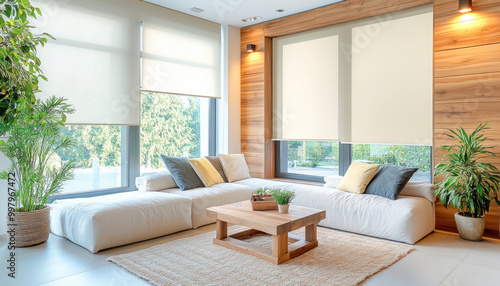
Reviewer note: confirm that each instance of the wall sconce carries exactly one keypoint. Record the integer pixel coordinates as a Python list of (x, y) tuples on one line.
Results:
[(250, 48), (464, 6)]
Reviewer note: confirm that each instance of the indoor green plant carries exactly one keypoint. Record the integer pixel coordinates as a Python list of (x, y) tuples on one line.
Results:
[(31, 127), (261, 193), (283, 198), (19, 65), (31, 147), (468, 183)]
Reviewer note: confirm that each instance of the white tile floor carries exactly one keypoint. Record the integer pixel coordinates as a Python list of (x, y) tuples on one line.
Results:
[(439, 259)]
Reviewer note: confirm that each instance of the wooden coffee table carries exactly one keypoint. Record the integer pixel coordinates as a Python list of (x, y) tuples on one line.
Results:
[(270, 222)]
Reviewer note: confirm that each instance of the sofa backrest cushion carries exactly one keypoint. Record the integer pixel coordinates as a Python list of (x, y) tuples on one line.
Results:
[(357, 177), (217, 165), (182, 172), (390, 181), (235, 167), (155, 182), (420, 189), (206, 172)]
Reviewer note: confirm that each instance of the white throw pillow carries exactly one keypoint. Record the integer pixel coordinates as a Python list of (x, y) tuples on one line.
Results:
[(155, 182), (332, 181), (235, 167)]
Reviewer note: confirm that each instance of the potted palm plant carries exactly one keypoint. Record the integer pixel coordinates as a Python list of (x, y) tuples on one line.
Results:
[(37, 170), (469, 183)]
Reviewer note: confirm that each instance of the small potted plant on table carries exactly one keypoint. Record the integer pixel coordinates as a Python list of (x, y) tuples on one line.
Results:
[(469, 183), (283, 198)]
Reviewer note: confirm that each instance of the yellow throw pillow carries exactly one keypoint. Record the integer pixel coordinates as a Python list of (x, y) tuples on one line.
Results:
[(206, 171), (357, 177)]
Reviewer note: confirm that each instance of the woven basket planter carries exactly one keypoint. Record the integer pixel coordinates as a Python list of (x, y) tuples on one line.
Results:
[(32, 227)]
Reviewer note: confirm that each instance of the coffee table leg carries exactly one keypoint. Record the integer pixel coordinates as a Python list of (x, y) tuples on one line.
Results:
[(312, 232), (221, 232), (280, 245)]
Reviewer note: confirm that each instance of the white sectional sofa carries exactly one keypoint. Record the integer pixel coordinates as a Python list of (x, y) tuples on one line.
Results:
[(159, 208)]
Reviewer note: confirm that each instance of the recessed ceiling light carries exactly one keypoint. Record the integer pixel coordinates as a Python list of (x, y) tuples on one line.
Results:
[(280, 10), (250, 19), (196, 9)]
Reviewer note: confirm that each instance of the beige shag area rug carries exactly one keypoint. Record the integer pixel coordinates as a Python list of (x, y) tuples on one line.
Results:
[(340, 259)]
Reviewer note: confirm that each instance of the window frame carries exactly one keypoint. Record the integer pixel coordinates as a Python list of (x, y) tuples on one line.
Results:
[(345, 160), (131, 158), (281, 155)]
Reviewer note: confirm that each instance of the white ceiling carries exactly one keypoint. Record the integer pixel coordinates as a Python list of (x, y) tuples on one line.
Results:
[(231, 12)]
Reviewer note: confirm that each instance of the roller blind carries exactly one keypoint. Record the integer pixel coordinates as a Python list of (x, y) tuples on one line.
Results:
[(93, 62), (392, 81), (305, 96), (181, 59)]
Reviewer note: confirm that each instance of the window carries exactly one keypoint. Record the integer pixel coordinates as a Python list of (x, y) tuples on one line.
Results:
[(112, 147), (98, 156), (401, 155), (312, 160), (308, 159), (173, 125)]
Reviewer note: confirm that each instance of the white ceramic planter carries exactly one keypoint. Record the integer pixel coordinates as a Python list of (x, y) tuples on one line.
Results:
[(283, 208), (470, 228)]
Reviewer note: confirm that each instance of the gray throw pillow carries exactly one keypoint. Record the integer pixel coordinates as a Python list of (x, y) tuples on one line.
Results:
[(182, 172), (390, 181), (215, 161)]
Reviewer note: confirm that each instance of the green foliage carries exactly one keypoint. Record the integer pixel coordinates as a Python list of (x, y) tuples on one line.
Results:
[(19, 66), (469, 183), (293, 150), (170, 125), (262, 191), (32, 146), (408, 156), (316, 153), (282, 197), (103, 142)]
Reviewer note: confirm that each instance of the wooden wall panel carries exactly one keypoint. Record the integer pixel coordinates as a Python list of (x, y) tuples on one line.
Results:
[(353, 10), (462, 34), (445, 11), (467, 83), (473, 60), (253, 101), (467, 88)]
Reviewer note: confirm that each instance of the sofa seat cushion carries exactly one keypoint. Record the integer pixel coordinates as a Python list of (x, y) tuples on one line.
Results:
[(406, 219), (102, 222), (216, 195)]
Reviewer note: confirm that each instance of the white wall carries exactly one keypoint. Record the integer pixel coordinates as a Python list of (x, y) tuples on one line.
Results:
[(229, 120), (234, 79), (4, 164)]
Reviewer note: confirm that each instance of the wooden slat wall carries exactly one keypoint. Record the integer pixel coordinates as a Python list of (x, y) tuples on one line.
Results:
[(467, 76), (467, 82)]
